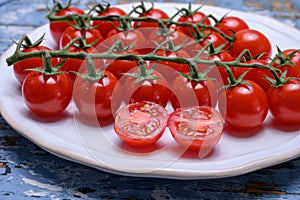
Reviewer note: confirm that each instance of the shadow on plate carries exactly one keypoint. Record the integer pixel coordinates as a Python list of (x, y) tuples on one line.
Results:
[(242, 133)]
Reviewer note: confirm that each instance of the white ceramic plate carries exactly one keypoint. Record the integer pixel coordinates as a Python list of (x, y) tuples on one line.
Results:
[(71, 139)]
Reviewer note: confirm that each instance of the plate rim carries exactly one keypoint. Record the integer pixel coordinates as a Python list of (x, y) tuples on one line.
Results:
[(165, 173)]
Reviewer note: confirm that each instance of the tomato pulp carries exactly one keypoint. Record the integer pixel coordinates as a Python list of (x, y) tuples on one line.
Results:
[(141, 124), (196, 128)]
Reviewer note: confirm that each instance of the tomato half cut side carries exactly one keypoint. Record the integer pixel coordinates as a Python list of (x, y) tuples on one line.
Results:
[(141, 124), (196, 128)]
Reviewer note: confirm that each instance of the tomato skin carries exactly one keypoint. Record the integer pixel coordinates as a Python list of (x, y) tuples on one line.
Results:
[(231, 24), (194, 19), (215, 38), (70, 33), (156, 90), (146, 27), (205, 120), (104, 27), (284, 102), (246, 106), (47, 95), (127, 38), (134, 120), (193, 93), (253, 40), (94, 99), (20, 67), (57, 28), (292, 70)]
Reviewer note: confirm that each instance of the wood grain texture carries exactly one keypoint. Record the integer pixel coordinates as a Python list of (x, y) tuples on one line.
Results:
[(28, 172)]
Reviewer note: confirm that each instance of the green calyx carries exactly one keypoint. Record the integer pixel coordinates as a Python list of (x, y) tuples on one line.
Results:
[(59, 7), (283, 60), (92, 75), (143, 74), (188, 11), (48, 69), (195, 75), (280, 81), (141, 9), (82, 22), (27, 43)]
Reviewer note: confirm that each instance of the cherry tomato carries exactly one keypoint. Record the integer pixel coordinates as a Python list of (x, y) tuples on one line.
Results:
[(256, 75), (231, 24), (292, 70), (57, 28), (141, 124), (193, 93), (256, 42), (20, 67), (146, 27), (127, 38), (79, 65), (246, 106), (94, 99), (194, 18), (215, 38), (91, 36), (104, 27), (47, 95), (156, 90), (196, 128), (284, 102)]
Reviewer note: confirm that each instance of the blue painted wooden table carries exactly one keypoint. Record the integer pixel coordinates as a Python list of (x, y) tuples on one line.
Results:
[(28, 172)]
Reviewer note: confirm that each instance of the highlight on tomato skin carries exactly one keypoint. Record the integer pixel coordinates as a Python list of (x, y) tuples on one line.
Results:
[(196, 128), (141, 124)]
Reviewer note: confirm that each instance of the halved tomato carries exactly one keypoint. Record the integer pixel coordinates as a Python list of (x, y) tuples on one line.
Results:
[(141, 124), (196, 128)]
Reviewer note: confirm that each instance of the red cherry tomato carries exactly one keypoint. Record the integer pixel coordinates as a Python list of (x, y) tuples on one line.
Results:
[(256, 75), (147, 27), (127, 38), (195, 18), (104, 27), (197, 128), (21, 66), (94, 99), (215, 38), (156, 90), (246, 106), (47, 95), (91, 36), (256, 42), (141, 124), (292, 70), (57, 28), (231, 24), (193, 93), (284, 102)]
